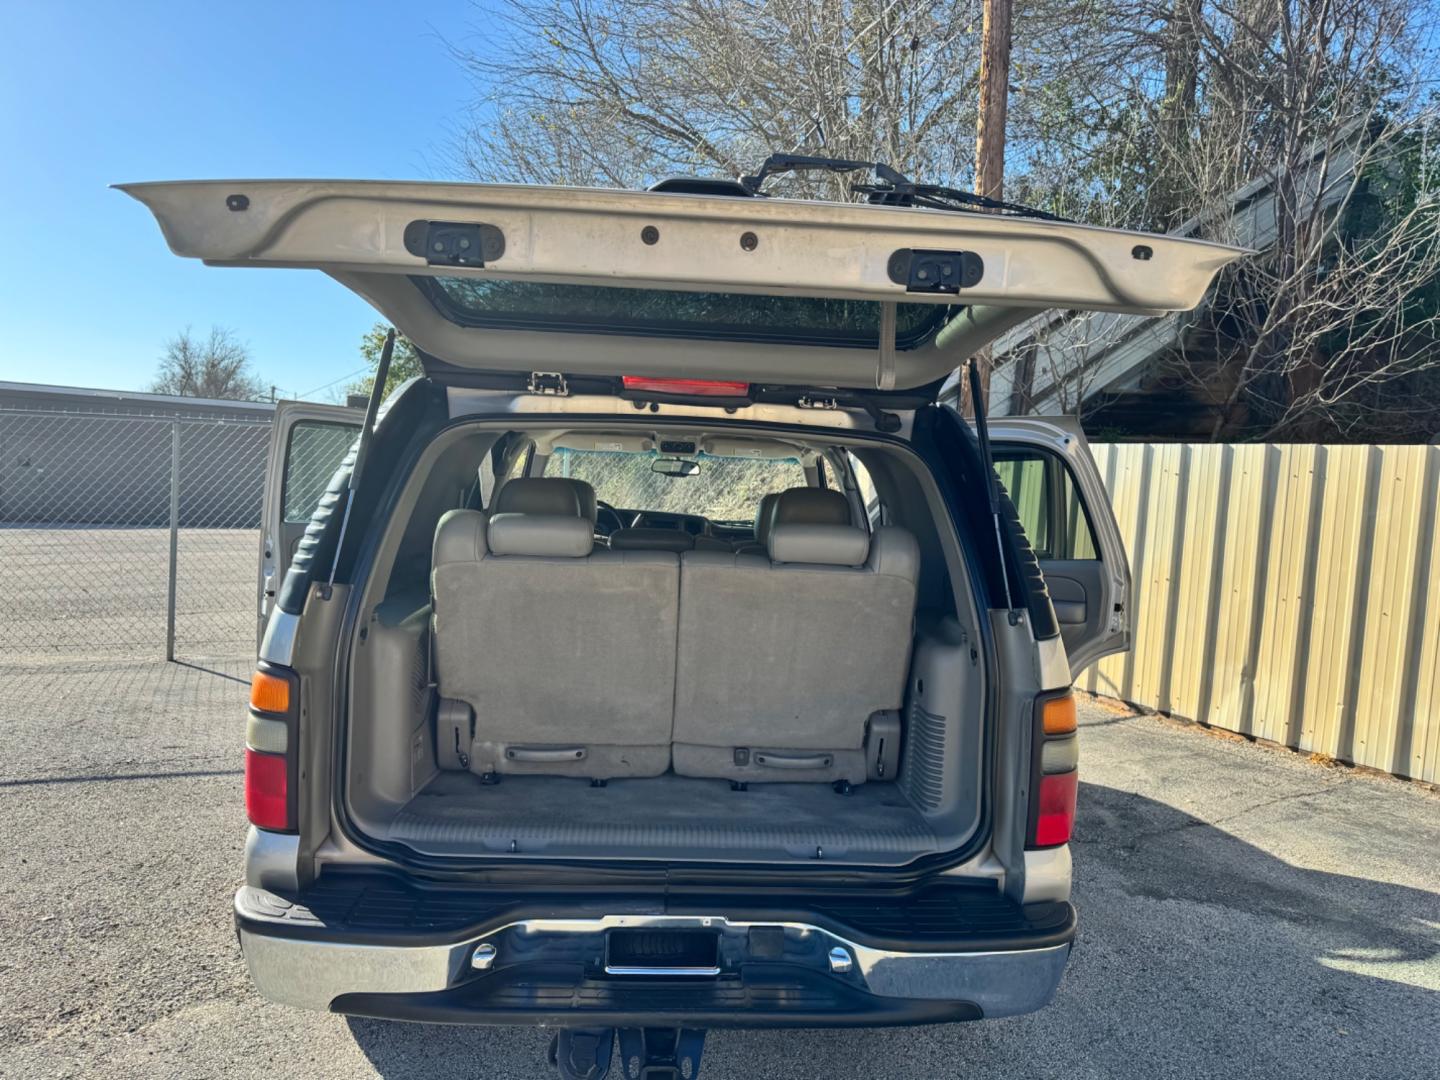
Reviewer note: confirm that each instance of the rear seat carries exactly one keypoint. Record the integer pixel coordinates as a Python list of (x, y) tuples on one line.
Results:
[(785, 658), (551, 656), (558, 658)]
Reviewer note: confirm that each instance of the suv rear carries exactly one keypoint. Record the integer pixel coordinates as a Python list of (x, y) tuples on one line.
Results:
[(668, 657)]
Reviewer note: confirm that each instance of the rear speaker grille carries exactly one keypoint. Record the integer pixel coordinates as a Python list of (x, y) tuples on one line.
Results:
[(924, 772)]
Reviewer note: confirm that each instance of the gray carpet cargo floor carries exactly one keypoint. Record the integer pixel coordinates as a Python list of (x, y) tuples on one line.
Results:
[(666, 817)]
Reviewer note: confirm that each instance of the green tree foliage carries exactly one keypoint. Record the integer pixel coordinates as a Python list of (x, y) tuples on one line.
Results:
[(404, 361)]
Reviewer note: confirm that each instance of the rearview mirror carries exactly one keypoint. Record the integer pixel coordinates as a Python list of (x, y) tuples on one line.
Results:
[(674, 466)]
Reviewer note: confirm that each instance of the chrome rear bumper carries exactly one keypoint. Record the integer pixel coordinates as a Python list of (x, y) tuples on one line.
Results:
[(289, 969)]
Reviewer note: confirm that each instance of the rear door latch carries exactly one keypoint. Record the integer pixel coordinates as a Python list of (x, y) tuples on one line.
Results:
[(454, 243), (548, 384), (923, 270)]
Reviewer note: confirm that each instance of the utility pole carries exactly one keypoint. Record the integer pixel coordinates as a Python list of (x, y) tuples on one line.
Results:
[(994, 97), (990, 129)]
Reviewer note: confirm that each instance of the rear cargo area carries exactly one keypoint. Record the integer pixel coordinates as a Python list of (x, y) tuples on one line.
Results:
[(661, 817), (408, 786), (542, 690)]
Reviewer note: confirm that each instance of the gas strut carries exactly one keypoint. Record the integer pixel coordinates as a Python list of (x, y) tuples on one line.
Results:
[(992, 487)]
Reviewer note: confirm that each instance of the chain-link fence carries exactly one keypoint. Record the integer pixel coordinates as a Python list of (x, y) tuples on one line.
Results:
[(129, 536)]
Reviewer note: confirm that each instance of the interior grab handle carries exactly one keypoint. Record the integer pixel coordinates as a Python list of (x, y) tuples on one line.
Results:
[(793, 761)]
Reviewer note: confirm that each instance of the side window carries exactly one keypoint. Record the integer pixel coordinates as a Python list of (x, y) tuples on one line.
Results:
[(505, 461), (1079, 540), (487, 480), (517, 461), (1049, 507), (316, 450), (867, 489)]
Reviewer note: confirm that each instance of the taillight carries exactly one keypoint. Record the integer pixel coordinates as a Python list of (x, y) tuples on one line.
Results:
[(269, 693), (1055, 815), (267, 790), (1056, 757), (271, 749)]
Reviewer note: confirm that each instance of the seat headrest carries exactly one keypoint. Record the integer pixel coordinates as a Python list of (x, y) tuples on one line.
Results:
[(556, 495), (765, 516), (811, 506), (567, 536), (827, 545)]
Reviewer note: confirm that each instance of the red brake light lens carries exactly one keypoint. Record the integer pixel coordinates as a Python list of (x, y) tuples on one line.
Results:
[(1056, 817), (686, 387), (267, 790)]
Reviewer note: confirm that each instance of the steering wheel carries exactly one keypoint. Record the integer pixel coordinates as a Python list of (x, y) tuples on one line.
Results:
[(607, 520)]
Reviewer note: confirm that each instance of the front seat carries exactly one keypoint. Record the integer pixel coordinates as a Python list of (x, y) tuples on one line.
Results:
[(552, 656), (764, 514)]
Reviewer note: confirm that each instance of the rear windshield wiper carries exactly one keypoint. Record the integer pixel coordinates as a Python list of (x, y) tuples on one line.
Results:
[(892, 188)]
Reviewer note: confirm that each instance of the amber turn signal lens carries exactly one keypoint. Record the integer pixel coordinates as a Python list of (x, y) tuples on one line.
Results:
[(269, 693), (1058, 715)]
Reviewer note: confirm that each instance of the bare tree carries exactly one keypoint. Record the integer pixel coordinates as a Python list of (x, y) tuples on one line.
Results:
[(1323, 110), (1300, 128), (620, 92), (216, 367)]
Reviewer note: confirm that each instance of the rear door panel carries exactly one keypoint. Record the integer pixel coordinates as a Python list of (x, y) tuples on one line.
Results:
[(1047, 469), (307, 444), (536, 255)]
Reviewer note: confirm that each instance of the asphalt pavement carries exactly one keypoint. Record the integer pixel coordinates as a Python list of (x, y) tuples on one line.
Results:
[(1244, 913)]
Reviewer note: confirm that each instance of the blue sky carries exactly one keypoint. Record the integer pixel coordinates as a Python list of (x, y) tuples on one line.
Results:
[(93, 94)]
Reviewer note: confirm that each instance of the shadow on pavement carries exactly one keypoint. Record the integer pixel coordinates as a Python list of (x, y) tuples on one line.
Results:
[(1199, 955)]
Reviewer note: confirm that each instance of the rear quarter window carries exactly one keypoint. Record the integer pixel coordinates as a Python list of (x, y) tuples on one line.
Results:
[(316, 450)]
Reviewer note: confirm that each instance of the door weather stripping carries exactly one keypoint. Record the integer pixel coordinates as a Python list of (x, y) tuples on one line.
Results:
[(987, 458), (362, 449)]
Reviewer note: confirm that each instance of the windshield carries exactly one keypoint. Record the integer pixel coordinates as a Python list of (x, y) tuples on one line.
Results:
[(725, 488)]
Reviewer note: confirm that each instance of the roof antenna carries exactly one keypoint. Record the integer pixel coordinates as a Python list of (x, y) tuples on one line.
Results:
[(987, 460), (362, 447)]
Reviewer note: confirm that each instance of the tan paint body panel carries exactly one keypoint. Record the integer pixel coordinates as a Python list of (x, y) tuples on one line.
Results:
[(1064, 437), (1285, 592), (354, 230)]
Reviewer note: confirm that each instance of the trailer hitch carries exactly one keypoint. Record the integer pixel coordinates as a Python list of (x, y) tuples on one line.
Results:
[(645, 1053), (582, 1053)]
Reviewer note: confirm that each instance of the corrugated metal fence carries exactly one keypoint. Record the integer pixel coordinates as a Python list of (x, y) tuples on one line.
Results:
[(1290, 593)]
